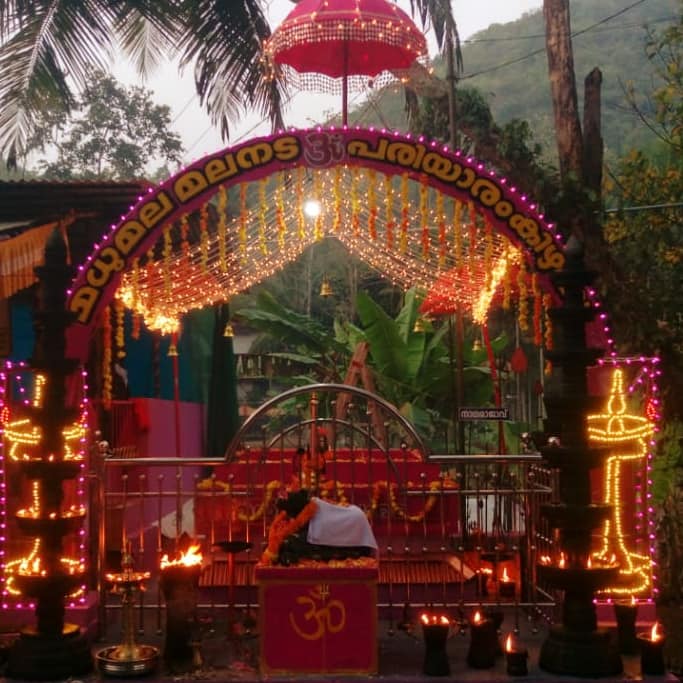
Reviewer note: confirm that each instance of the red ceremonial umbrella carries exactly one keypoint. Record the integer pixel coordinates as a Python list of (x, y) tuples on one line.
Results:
[(342, 43)]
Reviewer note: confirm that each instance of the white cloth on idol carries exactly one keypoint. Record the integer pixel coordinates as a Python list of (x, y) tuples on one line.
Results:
[(340, 525)]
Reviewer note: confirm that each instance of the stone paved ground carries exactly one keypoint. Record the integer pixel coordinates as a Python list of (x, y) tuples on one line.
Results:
[(400, 659)]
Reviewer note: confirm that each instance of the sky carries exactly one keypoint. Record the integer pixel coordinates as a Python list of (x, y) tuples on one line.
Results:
[(200, 137)]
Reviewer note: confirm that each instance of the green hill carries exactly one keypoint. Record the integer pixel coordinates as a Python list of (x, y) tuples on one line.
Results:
[(507, 64)]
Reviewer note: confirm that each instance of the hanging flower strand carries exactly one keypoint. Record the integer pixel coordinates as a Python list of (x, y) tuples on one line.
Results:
[(107, 381), (405, 213), (372, 204), (523, 304), (221, 227), (441, 219)]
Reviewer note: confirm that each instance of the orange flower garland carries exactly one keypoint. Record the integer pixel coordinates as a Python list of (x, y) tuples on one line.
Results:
[(107, 380), (283, 527)]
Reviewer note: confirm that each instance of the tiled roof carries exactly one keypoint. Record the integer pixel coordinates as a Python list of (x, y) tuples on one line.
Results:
[(34, 202)]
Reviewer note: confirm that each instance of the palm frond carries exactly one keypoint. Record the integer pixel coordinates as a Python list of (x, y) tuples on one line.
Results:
[(223, 41), (439, 15), (147, 34), (57, 44)]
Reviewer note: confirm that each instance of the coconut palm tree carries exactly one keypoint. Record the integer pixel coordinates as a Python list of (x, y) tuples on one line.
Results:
[(47, 47)]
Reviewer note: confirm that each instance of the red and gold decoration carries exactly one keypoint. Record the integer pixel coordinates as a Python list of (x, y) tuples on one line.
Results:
[(342, 45), (468, 225), (317, 620)]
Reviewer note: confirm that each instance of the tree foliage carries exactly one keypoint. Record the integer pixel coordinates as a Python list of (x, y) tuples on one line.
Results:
[(112, 132), (47, 49), (646, 233)]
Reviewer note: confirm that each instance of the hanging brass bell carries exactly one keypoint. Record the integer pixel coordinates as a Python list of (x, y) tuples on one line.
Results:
[(326, 288)]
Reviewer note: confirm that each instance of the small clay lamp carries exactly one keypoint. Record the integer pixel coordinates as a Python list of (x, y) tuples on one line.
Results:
[(483, 643), (506, 586), (515, 658), (625, 614), (652, 652), (435, 630)]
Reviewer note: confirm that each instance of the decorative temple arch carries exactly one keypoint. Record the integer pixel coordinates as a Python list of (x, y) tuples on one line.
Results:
[(415, 210)]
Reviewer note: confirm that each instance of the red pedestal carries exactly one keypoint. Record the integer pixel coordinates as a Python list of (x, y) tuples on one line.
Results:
[(317, 620)]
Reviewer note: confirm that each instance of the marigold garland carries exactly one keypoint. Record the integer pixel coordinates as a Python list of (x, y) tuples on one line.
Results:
[(318, 193), (221, 227), (472, 235), (389, 211), (166, 254), (263, 210), (119, 333), (548, 329), (204, 237), (107, 381), (301, 216), (184, 232), (457, 232), (244, 217), (280, 211), (372, 203), (326, 488), (488, 253), (405, 213), (212, 484), (337, 199), (283, 526), (507, 288), (424, 216), (523, 304), (355, 204), (441, 219)]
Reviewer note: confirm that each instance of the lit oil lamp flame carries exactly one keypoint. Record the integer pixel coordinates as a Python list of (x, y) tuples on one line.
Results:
[(589, 563), (508, 643), (428, 619), (477, 617), (545, 559), (634, 602), (190, 558), (561, 564), (505, 578), (655, 635)]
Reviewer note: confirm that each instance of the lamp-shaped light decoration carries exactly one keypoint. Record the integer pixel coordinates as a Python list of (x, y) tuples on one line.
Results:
[(627, 434)]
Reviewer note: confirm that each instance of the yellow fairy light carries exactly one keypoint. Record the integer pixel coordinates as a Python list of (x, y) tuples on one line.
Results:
[(405, 212), (204, 235), (221, 211), (626, 434), (258, 242), (457, 232), (263, 211)]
